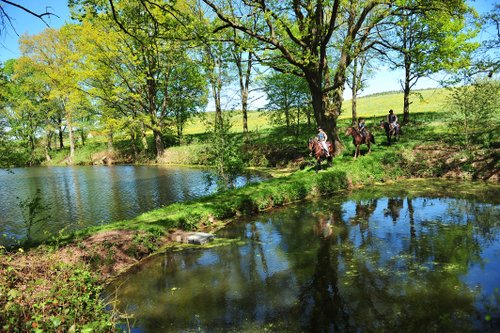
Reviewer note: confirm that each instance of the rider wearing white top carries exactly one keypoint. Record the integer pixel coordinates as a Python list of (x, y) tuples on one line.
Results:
[(322, 137)]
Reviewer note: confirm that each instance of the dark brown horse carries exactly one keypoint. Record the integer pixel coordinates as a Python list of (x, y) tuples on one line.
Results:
[(319, 153), (390, 131), (358, 139)]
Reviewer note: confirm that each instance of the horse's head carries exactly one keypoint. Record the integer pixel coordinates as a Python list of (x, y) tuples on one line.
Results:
[(310, 144), (384, 125), (349, 131)]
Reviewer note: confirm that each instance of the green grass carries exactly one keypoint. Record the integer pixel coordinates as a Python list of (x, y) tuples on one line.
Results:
[(423, 101)]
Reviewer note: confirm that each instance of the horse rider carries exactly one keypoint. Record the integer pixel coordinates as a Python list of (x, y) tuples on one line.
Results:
[(362, 127), (322, 137), (392, 119)]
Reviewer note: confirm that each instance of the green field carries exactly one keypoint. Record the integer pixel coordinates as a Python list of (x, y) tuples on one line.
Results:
[(378, 105)]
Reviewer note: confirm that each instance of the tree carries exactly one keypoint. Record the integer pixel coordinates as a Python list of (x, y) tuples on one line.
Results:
[(288, 98), (356, 81), (244, 67), (244, 58), (146, 72), (55, 53), (188, 93), (296, 36), (26, 105), (475, 111), (425, 40)]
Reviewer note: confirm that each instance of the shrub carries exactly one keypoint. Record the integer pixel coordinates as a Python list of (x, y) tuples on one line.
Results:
[(329, 182), (475, 111)]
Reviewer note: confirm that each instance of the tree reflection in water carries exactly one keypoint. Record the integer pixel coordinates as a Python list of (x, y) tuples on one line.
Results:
[(332, 266)]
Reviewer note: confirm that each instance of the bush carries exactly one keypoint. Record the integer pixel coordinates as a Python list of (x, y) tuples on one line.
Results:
[(329, 182), (475, 111)]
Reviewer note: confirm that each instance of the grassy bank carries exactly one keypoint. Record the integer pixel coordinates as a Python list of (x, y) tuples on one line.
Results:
[(263, 149)]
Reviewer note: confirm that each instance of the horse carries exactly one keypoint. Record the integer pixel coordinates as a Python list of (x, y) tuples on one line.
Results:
[(358, 139), (391, 132), (319, 153)]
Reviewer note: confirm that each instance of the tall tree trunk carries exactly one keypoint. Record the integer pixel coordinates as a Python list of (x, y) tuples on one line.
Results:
[(144, 138), (244, 94), (133, 141), (49, 140), (61, 133), (179, 132), (31, 140), (160, 148), (297, 132), (354, 112), (327, 105), (82, 136), (216, 83), (47, 147), (69, 125), (406, 90), (71, 141), (110, 141)]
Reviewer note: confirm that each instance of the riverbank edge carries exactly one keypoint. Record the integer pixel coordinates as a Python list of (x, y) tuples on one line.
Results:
[(111, 250)]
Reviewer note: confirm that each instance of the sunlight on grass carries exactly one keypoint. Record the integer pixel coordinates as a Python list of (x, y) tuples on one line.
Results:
[(430, 100)]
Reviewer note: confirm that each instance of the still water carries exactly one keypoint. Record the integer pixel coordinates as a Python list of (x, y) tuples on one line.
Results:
[(77, 197), (378, 264)]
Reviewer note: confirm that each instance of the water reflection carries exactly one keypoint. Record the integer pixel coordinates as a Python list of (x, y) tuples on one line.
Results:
[(84, 196), (333, 266)]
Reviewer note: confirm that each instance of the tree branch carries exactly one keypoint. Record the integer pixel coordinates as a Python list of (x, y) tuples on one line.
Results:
[(41, 16)]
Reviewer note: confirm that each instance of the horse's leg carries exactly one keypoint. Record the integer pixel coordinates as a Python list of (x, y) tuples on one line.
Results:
[(369, 147), (330, 160)]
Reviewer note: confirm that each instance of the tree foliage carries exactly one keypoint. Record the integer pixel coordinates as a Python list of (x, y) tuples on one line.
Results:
[(475, 112), (426, 39), (288, 100), (155, 81)]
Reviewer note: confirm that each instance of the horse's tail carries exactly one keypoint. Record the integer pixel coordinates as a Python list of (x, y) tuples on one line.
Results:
[(372, 138)]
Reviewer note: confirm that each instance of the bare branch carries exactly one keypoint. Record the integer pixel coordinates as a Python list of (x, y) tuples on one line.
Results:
[(41, 16)]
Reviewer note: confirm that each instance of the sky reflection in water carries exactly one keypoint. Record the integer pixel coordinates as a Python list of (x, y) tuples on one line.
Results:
[(388, 264)]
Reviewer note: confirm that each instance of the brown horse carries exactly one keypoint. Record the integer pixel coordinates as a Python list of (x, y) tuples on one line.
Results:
[(390, 131), (319, 153), (358, 139)]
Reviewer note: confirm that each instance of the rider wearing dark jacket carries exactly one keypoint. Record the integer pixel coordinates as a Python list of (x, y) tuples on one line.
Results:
[(362, 127), (392, 119)]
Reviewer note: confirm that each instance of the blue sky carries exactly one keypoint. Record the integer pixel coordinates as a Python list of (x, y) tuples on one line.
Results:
[(383, 80)]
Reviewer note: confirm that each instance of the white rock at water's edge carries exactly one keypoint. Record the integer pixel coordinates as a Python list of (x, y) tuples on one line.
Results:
[(199, 238)]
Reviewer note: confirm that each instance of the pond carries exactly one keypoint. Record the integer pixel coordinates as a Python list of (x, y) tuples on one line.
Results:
[(77, 197), (357, 263)]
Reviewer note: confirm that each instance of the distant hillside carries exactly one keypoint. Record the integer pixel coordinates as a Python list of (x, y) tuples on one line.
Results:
[(428, 100)]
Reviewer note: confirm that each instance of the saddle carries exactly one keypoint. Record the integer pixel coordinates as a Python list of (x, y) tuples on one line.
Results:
[(364, 134)]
